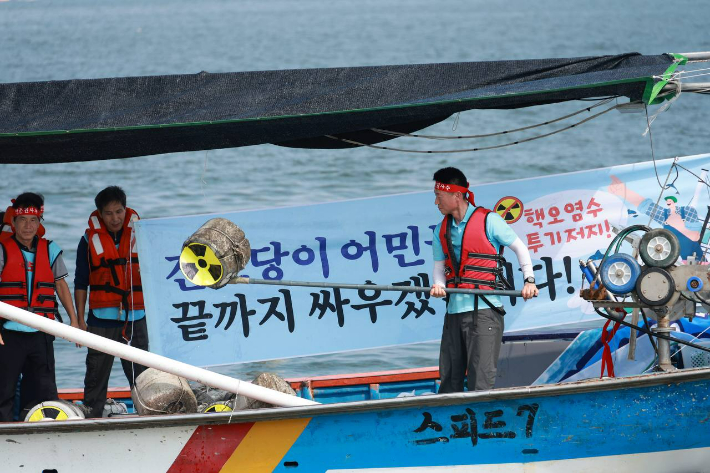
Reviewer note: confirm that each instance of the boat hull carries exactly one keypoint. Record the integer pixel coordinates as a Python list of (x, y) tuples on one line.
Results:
[(659, 421)]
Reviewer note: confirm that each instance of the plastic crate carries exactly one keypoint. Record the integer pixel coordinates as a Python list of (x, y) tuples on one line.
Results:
[(694, 358)]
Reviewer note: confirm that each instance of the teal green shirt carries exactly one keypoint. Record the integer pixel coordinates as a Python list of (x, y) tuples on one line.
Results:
[(499, 234)]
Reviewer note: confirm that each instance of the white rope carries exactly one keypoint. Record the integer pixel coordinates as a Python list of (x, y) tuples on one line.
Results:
[(484, 148), (696, 75), (663, 107), (689, 71), (129, 276), (487, 135)]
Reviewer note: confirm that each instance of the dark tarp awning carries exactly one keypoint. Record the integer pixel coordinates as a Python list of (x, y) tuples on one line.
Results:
[(84, 120)]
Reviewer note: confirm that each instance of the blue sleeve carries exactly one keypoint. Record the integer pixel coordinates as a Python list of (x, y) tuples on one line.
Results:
[(436, 245), (54, 251), (499, 232), (81, 276)]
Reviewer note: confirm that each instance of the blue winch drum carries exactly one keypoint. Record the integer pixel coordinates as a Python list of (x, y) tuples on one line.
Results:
[(619, 273)]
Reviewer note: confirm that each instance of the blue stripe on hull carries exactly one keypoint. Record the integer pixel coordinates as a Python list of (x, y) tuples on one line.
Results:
[(544, 428)]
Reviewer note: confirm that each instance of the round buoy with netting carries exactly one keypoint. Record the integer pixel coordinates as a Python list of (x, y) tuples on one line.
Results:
[(215, 253), (54, 410), (619, 273), (655, 286), (659, 248)]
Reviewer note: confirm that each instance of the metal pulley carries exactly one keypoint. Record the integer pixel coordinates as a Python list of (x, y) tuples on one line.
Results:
[(659, 248), (215, 253), (655, 286), (619, 273)]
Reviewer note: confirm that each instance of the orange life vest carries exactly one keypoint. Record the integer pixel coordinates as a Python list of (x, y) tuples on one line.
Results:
[(13, 280), (114, 279), (480, 265), (7, 229)]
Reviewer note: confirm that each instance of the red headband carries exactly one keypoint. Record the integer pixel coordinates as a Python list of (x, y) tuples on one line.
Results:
[(29, 211), (440, 186)]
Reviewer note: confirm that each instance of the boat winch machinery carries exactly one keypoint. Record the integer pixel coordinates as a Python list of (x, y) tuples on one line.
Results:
[(660, 285)]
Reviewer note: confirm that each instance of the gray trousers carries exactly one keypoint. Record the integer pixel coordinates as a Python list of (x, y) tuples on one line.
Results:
[(98, 365), (470, 342)]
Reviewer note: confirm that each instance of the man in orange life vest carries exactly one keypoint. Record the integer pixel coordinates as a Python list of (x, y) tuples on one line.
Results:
[(31, 271), (473, 325), (107, 266)]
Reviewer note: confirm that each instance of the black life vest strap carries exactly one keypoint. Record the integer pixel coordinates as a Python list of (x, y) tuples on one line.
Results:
[(111, 265), (499, 258), (46, 285), (496, 270), (498, 310), (13, 284), (497, 284), (44, 298), (45, 310), (108, 288), (19, 297), (478, 282), (124, 294), (107, 263), (114, 289)]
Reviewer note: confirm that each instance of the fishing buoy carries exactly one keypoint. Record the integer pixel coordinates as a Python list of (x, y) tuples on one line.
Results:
[(215, 253), (157, 392), (655, 286), (54, 410), (266, 380), (619, 273), (659, 248)]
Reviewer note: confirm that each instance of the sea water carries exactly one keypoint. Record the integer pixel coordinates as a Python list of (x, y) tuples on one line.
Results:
[(68, 39)]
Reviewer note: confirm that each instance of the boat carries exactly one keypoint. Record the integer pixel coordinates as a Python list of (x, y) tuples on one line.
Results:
[(372, 422), (612, 423)]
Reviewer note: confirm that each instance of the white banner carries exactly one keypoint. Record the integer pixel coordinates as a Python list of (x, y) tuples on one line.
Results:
[(387, 240)]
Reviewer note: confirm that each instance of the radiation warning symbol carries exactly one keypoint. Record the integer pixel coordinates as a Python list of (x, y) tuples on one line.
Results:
[(200, 265), (48, 412), (218, 407), (510, 208)]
